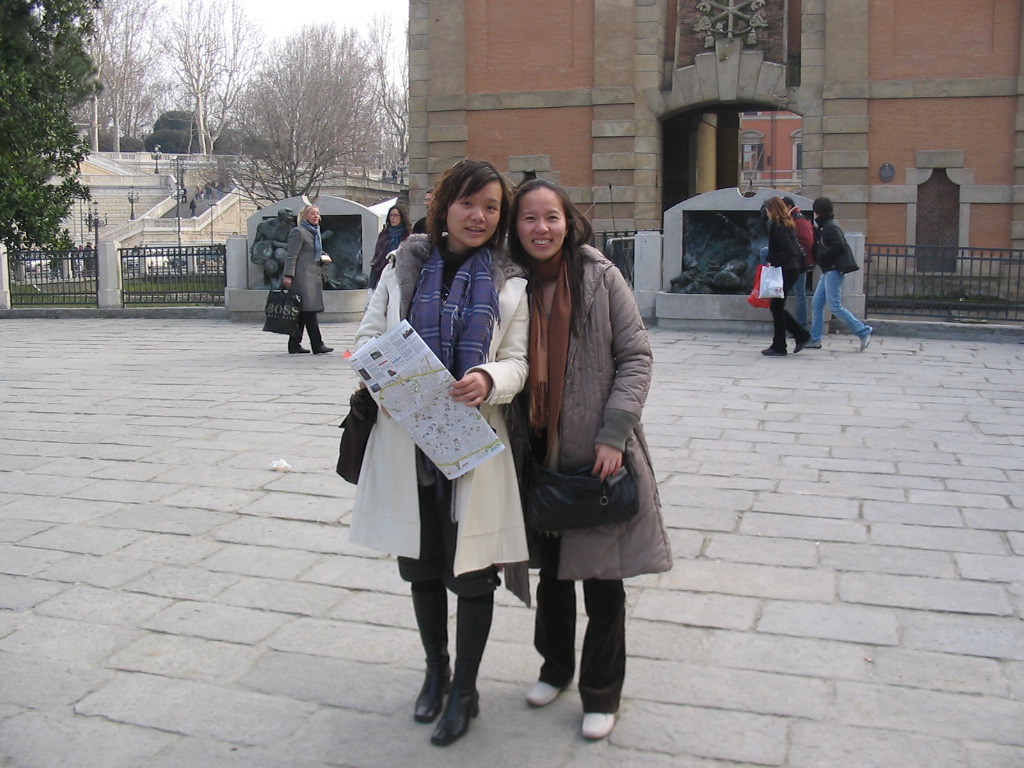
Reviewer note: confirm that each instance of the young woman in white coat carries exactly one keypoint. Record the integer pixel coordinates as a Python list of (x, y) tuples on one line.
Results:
[(590, 371), (467, 299)]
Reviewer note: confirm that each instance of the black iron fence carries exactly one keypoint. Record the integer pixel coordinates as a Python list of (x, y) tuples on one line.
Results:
[(53, 278), (944, 283), (172, 275), (619, 247)]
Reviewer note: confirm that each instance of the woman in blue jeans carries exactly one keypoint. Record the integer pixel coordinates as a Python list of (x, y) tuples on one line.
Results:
[(836, 260)]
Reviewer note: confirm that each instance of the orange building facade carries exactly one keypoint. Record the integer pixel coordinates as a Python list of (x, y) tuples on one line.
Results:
[(896, 109)]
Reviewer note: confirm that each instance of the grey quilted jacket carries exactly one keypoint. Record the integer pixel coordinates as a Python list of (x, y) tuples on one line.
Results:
[(607, 380)]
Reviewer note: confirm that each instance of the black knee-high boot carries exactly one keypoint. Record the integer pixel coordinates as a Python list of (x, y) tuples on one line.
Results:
[(473, 627), (430, 602)]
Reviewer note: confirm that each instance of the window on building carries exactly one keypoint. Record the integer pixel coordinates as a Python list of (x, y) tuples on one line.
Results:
[(752, 149), (798, 154)]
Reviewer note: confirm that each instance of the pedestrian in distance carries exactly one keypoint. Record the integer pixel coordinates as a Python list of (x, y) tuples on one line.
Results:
[(784, 252), (590, 371), (835, 258), (396, 228), (467, 300), (420, 227), (805, 238), (302, 276)]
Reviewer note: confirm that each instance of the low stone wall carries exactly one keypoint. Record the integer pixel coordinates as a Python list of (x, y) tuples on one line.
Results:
[(246, 305), (730, 312)]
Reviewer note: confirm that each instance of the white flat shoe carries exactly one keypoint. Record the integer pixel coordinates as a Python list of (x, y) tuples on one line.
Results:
[(542, 694), (597, 725)]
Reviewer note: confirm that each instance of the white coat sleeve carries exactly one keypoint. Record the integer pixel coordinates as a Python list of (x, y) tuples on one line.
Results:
[(374, 322)]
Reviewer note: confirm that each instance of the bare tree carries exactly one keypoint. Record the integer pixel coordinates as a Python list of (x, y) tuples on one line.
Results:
[(123, 51), (306, 114), (388, 60), (243, 47), (214, 48)]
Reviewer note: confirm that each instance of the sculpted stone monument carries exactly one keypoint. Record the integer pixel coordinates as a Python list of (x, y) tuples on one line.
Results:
[(722, 233), (342, 239), (348, 232), (270, 246)]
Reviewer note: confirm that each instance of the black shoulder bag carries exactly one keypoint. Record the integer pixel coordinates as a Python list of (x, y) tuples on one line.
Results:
[(357, 425), (557, 501)]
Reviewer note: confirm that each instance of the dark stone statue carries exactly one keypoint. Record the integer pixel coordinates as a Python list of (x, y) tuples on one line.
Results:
[(270, 246), (345, 272), (720, 251), (340, 236)]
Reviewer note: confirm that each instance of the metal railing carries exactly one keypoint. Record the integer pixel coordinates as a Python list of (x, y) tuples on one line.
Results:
[(53, 278), (944, 283), (173, 275), (619, 247)]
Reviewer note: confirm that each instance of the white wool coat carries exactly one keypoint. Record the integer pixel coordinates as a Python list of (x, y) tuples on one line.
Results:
[(490, 516)]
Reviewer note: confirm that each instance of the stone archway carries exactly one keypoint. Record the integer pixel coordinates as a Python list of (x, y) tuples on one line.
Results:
[(699, 115)]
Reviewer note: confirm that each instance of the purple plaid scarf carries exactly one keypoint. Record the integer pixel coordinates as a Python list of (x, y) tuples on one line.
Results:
[(457, 327)]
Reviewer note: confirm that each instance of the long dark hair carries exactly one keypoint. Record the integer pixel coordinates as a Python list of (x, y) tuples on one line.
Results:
[(577, 233), (403, 214), (465, 178)]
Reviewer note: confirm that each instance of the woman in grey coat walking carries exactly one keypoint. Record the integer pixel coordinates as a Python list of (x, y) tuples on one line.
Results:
[(590, 371), (302, 277)]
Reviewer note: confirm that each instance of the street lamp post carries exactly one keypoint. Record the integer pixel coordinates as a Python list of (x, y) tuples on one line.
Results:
[(133, 198), (179, 176), (156, 159), (95, 223)]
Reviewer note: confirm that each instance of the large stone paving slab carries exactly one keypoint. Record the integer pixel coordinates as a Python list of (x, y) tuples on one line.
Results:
[(848, 587)]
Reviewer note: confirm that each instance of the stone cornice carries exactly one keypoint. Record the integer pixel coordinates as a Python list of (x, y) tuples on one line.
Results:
[(576, 97), (923, 89)]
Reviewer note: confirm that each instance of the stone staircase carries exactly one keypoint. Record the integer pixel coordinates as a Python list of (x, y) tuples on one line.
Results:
[(113, 177)]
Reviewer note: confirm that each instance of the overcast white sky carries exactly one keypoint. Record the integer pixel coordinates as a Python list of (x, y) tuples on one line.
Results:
[(279, 18)]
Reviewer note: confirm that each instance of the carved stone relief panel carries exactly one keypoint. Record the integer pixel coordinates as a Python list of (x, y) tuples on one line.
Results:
[(757, 24)]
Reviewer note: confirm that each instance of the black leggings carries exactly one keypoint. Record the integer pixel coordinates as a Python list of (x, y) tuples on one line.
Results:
[(782, 321)]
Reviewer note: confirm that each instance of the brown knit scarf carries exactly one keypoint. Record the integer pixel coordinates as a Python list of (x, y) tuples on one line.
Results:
[(549, 343)]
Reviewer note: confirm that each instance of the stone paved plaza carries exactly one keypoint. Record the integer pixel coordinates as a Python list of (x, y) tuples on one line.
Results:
[(848, 588)]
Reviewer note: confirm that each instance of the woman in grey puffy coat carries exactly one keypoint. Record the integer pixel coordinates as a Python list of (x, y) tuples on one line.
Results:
[(590, 371)]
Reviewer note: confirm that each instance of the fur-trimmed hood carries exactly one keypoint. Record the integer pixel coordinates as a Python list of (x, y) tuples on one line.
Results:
[(413, 253)]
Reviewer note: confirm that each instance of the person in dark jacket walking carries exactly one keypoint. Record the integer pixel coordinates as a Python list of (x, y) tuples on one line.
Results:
[(836, 260), (805, 237), (783, 251)]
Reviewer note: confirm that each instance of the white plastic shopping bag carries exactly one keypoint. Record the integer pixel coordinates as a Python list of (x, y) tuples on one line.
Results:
[(771, 284)]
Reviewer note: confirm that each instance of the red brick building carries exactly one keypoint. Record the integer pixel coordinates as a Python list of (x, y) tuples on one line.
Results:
[(911, 111)]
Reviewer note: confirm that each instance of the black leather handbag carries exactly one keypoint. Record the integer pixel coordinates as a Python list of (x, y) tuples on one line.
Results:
[(357, 425), (557, 501)]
